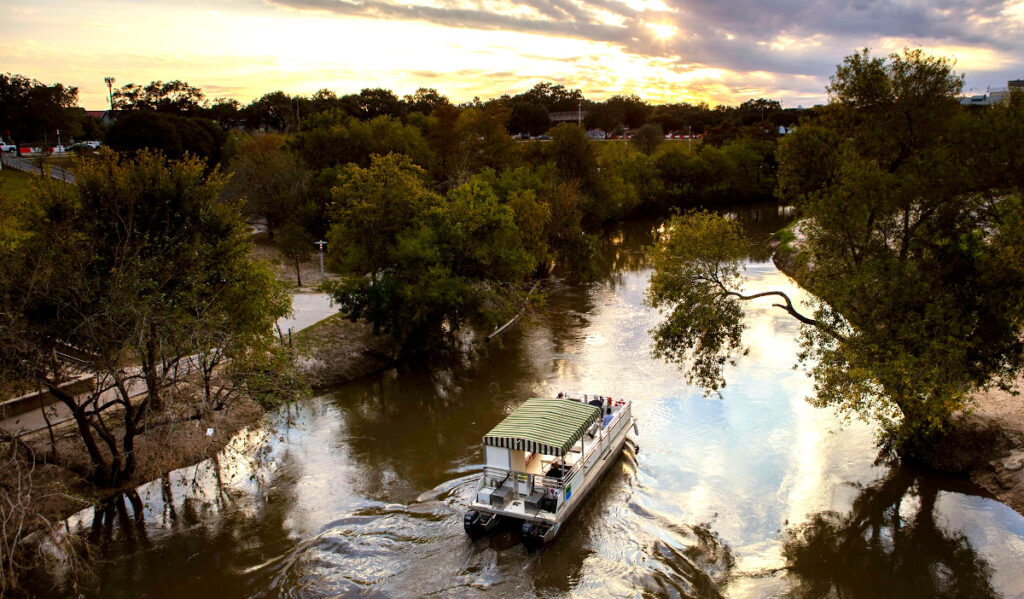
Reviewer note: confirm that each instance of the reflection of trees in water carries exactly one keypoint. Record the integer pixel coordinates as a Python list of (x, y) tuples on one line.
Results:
[(621, 246), (875, 551), (206, 532)]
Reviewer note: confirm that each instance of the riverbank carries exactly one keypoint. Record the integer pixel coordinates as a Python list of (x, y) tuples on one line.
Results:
[(40, 482), (39, 474), (986, 444)]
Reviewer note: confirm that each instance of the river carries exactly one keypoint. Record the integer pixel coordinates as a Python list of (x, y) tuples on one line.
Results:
[(361, 491)]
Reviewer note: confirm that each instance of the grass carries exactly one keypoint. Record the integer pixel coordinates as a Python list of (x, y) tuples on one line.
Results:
[(15, 186)]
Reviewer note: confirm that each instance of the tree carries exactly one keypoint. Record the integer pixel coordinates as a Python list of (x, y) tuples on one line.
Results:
[(553, 97), (226, 112), (573, 153), (424, 100), (173, 135), (532, 119), (904, 246), (296, 245), (137, 266), (371, 103), (276, 110), (31, 111), (331, 138), (483, 134), (418, 266), (267, 179), (173, 97), (648, 137)]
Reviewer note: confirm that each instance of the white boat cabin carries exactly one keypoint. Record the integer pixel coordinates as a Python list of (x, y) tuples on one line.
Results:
[(542, 453)]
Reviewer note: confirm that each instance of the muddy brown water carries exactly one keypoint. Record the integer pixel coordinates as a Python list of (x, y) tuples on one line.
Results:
[(360, 492)]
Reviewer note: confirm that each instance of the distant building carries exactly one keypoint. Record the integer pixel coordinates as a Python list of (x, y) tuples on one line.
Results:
[(993, 96), (976, 100), (104, 116)]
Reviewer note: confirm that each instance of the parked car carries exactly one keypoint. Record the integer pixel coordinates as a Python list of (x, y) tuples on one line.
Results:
[(6, 147)]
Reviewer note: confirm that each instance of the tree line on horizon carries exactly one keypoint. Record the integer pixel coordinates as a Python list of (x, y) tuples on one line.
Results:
[(31, 112)]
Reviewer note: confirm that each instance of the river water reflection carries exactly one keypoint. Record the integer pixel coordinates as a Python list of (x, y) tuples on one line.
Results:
[(360, 492)]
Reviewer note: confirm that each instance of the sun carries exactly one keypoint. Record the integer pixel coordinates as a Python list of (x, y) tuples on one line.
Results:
[(662, 31)]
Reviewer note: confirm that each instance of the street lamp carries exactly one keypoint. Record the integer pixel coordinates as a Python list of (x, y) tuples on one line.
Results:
[(321, 245), (110, 91)]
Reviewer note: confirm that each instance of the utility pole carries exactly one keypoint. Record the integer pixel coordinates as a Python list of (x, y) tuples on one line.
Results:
[(579, 114), (110, 91), (321, 245), (689, 139)]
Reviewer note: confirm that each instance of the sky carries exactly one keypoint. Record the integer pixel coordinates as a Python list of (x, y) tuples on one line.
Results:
[(718, 51)]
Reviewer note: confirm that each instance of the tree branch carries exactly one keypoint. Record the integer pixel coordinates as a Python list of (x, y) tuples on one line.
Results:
[(788, 307)]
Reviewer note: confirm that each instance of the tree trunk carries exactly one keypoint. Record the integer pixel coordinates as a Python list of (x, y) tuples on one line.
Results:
[(298, 272), (149, 367), (84, 430)]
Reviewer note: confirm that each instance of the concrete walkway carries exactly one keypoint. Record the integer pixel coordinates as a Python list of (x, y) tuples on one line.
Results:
[(308, 309), (26, 166), (29, 418)]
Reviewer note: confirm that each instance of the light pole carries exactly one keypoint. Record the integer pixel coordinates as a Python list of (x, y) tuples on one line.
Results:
[(110, 91), (689, 139), (321, 245)]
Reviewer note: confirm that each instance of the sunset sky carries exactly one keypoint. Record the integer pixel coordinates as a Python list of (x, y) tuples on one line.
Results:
[(720, 51)]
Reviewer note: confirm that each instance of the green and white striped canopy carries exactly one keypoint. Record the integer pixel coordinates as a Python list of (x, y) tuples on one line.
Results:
[(547, 426)]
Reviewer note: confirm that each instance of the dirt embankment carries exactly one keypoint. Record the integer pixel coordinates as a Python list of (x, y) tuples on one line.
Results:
[(1000, 415), (987, 440), (337, 350)]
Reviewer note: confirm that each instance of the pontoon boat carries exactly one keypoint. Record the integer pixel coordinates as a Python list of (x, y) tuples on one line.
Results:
[(543, 459)]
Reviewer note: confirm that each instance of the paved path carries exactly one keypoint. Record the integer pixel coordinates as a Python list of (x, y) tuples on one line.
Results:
[(26, 166), (309, 309), (58, 413)]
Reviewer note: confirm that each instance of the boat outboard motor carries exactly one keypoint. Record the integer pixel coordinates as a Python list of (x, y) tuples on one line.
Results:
[(471, 522), (533, 536)]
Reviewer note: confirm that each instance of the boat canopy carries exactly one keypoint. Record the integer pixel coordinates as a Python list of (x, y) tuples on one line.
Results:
[(547, 426)]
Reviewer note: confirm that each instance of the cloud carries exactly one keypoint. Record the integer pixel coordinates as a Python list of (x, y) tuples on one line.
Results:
[(788, 37)]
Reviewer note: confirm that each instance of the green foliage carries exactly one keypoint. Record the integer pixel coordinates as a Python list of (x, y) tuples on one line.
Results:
[(31, 111), (268, 181), (741, 170), (915, 257), (269, 374), (139, 263), (174, 97), (430, 265), (648, 137), (173, 135), (697, 276), (296, 244), (332, 138)]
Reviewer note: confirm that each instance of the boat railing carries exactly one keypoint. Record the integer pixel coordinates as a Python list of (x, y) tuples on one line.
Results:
[(523, 484)]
